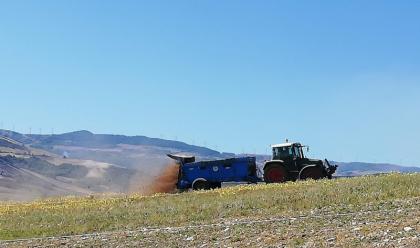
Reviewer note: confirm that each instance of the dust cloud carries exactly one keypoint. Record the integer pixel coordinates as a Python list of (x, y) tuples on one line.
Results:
[(164, 182)]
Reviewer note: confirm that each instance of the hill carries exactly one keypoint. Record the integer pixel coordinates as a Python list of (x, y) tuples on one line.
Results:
[(145, 154), (359, 168), (37, 166), (76, 163), (89, 140), (373, 211), (30, 177)]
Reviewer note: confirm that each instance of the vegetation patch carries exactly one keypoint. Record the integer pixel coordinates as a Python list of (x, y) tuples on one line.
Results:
[(79, 215)]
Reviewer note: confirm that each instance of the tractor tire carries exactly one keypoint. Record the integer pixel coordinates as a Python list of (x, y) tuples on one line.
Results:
[(201, 185), (314, 172), (275, 173)]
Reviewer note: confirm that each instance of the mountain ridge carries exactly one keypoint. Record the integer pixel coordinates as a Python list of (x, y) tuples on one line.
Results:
[(89, 139), (82, 162)]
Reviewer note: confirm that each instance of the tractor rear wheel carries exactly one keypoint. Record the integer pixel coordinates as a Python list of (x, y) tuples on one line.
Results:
[(314, 172), (275, 173), (201, 185)]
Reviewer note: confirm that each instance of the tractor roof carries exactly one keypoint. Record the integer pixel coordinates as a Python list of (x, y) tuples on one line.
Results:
[(285, 144)]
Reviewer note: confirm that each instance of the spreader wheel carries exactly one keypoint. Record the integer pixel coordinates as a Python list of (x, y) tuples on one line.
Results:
[(314, 172), (201, 185), (216, 185), (275, 173)]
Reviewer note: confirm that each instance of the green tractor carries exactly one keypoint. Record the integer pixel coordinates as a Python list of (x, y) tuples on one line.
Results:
[(289, 164)]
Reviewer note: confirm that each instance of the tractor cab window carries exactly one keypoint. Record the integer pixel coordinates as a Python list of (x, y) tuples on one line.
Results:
[(282, 152), (298, 152)]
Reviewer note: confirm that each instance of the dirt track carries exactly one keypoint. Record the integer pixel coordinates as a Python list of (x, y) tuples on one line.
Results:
[(398, 227)]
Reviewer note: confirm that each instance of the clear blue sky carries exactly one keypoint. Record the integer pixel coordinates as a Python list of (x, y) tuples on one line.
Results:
[(341, 76)]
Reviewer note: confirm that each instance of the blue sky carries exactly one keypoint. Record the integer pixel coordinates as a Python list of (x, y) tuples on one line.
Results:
[(341, 76)]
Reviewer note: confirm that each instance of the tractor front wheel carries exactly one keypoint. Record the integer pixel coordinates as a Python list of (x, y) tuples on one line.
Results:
[(314, 172), (275, 173)]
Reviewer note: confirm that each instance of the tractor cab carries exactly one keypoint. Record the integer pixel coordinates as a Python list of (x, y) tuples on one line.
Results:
[(287, 151)]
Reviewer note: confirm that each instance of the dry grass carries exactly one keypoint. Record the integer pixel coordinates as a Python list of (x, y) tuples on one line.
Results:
[(66, 216)]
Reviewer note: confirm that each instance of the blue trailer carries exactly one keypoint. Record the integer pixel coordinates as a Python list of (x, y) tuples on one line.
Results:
[(211, 174), (288, 163)]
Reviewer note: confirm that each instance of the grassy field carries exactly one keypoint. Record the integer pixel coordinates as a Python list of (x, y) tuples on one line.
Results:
[(239, 210)]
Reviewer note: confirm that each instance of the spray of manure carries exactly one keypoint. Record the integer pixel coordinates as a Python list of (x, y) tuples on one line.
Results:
[(164, 182)]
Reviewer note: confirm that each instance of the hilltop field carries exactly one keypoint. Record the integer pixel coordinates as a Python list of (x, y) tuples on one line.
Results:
[(369, 211)]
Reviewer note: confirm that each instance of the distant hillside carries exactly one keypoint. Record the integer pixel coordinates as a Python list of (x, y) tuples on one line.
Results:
[(359, 168), (33, 166), (89, 140), (31, 177), (22, 138), (81, 162), (10, 143)]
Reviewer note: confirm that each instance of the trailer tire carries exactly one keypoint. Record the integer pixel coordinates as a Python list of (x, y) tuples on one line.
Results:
[(201, 184), (216, 185)]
